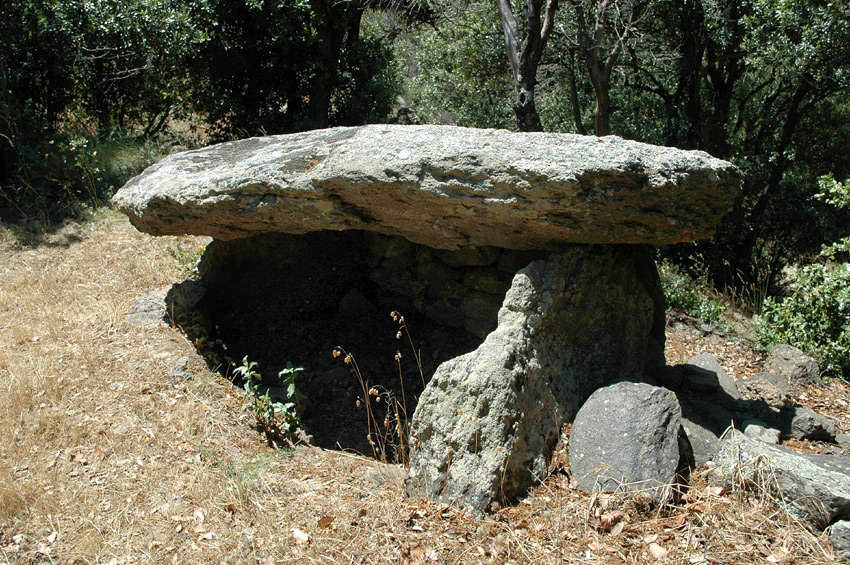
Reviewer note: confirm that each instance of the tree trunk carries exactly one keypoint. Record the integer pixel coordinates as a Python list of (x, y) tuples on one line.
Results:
[(600, 75), (525, 57), (574, 96), (335, 22)]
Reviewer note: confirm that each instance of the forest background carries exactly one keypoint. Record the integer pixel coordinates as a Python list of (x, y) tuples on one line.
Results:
[(93, 91)]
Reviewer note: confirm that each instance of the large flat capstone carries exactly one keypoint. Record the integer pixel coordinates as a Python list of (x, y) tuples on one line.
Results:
[(441, 186)]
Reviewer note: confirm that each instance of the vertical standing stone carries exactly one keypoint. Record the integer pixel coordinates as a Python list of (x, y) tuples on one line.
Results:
[(487, 422)]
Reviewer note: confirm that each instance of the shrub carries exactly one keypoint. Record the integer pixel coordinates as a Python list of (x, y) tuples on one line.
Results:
[(278, 420), (815, 317), (688, 295)]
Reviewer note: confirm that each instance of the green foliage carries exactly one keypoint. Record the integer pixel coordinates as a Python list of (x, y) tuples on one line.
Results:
[(73, 74), (278, 420), (815, 317), (186, 256), (458, 74), (688, 295)]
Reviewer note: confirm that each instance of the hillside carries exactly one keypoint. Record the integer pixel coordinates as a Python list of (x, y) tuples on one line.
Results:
[(121, 446)]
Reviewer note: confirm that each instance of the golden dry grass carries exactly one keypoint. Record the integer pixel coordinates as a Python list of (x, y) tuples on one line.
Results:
[(109, 456)]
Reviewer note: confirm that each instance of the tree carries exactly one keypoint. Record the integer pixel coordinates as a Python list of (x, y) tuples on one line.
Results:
[(590, 42), (525, 56), (292, 65)]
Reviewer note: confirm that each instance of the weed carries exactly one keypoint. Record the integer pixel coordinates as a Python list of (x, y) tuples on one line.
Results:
[(689, 296), (278, 420), (186, 256), (392, 433)]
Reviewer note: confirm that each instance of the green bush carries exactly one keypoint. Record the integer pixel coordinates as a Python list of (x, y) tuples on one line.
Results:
[(815, 317), (688, 295)]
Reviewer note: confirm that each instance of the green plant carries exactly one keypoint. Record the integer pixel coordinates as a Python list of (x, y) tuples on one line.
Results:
[(689, 295), (815, 317), (186, 256), (278, 420)]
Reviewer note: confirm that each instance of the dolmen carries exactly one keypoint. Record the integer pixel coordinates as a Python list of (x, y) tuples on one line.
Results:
[(536, 243)]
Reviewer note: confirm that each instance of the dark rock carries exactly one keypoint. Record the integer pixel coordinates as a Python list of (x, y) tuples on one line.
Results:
[(487, 422), (815, 488), (703, 422), (792, 364), (711, 377), (801, 422), (625, 438), (355, 304), (761, 431)]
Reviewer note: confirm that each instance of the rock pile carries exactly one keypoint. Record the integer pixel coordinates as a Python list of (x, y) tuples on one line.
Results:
[(735, 435)]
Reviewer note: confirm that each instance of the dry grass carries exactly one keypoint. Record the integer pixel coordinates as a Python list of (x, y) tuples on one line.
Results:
[(109, 456)]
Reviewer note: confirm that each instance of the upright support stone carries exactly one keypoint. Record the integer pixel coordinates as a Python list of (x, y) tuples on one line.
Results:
[(487, 422)]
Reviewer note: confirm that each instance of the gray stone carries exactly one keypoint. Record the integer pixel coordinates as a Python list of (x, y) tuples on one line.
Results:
[(442, 186), (792, 364), (162, 306), (802, 422), (486, 424), (180, 369), (842, 439), (149, 310), (773, 389), (761, 431), (704, 422), (625, 439), (815, 488), (711, 377), (839, 535)]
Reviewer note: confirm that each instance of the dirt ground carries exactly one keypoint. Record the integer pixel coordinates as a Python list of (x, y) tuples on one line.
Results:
[(120, 445)]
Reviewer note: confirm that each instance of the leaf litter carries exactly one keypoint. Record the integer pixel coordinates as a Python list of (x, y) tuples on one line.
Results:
[(107, 457)]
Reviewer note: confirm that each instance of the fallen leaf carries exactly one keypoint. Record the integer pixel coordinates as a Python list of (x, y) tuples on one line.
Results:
[(657, 551), (301, 537), (326, 521), (618, 528), (607, 521), (207, 536), (718, 491), (52, 537), (650, 539), (497, 547), (416, 553), (199, 515)]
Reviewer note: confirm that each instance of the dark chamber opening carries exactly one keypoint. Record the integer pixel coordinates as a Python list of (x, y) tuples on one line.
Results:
[(280, 298)]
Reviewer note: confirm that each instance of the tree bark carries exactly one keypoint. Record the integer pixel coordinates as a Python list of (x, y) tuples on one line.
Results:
[(525, 57), (600, 74), (574, 96)]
